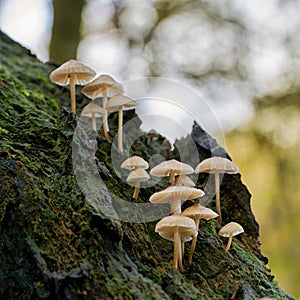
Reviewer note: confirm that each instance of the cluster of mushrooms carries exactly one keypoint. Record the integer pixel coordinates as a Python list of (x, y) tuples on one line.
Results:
[(74, 73), (179, 227)]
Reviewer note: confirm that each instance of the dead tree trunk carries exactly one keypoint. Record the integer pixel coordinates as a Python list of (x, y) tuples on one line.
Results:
[(57, 243)]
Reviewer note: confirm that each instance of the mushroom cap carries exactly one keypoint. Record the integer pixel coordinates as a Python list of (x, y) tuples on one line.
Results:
[(90, 109), (186, 236), (134, 162), (217, 165), (184, 180), (82, 72), (174, 193), (197, 210), (138, 175), (117, 101), (231, 228), (100, 84), (166, 144), (152, 133), (167, 226), (164, 168)]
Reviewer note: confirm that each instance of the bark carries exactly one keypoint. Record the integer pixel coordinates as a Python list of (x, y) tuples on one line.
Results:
[(57, 244)]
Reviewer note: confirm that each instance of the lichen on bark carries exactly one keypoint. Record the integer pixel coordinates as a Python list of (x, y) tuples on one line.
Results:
[(55, 244)]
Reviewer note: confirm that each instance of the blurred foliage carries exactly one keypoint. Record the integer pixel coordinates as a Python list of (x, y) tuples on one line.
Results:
[(267, 152)]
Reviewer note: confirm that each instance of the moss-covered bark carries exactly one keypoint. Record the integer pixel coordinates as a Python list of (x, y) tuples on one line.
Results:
[(56, 244)]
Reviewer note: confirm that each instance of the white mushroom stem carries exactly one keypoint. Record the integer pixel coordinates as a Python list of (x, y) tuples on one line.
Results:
[(176, 206), (136, 189), (72, 93), (176, 249), (120, 123), (180, 254), (194, 241), (94, 127), (229, 242), (182, 248), (172, 178), (105, 120), (218, 204)]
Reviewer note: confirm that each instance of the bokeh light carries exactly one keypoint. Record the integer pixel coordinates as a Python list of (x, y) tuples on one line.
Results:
[(28, 22)]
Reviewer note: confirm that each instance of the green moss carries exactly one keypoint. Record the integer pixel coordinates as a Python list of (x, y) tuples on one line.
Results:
[(57, 245), (54, 105), (3, 130)]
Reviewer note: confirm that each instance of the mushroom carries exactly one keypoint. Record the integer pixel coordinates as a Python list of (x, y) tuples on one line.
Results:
[(171, 168), (167, 146), (176, 228), (175, 196), (93, 111), (137, 176), (120, 103), (197, 212), (72, 72), (230, 230), (217, 165), (184, 180), (103, 85), (152, 135), (134, 162)]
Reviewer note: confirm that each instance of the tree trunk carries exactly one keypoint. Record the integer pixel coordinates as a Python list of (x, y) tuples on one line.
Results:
[(57, 243), (65, 31)]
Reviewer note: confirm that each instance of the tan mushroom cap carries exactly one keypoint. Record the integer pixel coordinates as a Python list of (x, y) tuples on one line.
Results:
[(138, 175), (134, 162), (217, 165), (100, 84), (92, 109), (168, 225), (231, 228), (173, 165), (184, 180), (197, 210), (152, 133), (82, 73), (117, 101), (174, 193), (185, 236), (166, 144)]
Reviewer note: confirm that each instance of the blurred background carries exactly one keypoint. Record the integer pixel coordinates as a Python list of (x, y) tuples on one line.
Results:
[(241, 57)]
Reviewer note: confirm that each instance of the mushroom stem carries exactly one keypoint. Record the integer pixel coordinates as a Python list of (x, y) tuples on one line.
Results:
[(136, 189), (94, 127), (182, 248), (72, 93), (105, 121), (194, 241), (180, 255), (172, 178), (176, 207), (120, 123), (176, 249), (218, 204), (229, 242)]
